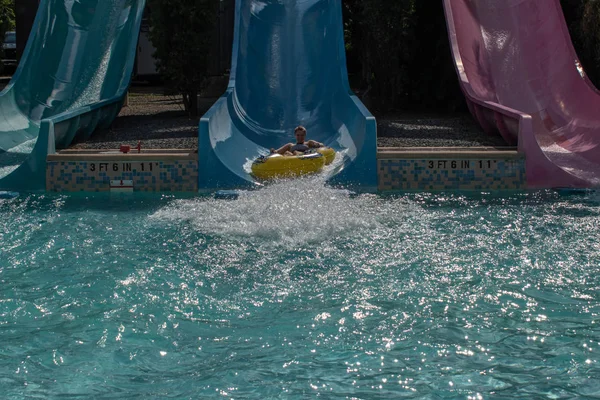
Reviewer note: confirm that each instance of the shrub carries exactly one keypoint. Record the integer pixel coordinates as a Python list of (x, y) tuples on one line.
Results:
[(7, 21)]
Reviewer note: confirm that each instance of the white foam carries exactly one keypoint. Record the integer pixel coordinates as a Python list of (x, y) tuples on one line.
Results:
[(296, 211)]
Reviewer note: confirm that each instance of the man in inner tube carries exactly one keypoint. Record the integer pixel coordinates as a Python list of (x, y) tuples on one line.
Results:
[(301, 147)]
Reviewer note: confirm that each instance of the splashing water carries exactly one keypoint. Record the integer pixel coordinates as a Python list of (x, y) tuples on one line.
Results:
[(288, 212)]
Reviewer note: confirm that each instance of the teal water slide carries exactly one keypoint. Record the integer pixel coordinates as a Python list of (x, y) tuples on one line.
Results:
[(288, 69), (72, 79)]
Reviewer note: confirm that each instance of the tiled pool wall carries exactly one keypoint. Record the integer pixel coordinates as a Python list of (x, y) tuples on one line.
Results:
[(452, 170), (398, 170), (147, 172)]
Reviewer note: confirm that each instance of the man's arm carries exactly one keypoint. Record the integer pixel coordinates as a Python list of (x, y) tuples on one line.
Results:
[(283, 149), (314, 144)]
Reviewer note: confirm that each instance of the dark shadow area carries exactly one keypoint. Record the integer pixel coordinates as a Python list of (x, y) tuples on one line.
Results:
[(583, 21), (404, 63), (434, 83), (433, 130), (125, 121), (419, 103)]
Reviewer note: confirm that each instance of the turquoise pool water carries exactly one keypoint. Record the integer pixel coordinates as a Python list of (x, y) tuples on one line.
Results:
[(299, 290)]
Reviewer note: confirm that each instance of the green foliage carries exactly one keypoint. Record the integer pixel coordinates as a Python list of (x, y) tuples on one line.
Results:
[(7, 20), (7, 15), (182, 33)]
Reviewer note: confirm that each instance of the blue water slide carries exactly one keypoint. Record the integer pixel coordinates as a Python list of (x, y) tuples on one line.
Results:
[(72, 80), (288, 69)]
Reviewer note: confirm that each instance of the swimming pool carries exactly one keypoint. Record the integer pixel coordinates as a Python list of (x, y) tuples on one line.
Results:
[(297, 290)]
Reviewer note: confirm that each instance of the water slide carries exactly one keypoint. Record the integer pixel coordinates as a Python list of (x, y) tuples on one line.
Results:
[(72, 80), (521, 77), (288, 69)]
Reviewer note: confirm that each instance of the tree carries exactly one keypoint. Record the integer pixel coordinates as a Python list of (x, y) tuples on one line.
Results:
[(7, 21), (590, 30), (182, 33), (7, 15), (400, 51)]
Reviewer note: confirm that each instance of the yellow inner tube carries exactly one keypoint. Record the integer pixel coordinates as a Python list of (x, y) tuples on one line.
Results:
[(329, 154), (278, 166)]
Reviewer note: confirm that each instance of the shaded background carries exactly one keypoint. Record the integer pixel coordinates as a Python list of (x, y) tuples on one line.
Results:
[(398, 50)]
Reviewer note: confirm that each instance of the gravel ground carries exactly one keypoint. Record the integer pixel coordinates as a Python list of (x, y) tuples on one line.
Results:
[(458, 130), (159, 121)]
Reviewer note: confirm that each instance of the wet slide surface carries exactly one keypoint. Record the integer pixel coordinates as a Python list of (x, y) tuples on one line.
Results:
[(521, 77), (74, 73), (288, 69)]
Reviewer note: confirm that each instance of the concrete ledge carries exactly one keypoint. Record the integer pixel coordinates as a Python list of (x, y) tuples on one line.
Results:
[(146, 155), (464, 153), (133, 151), (121, 157)]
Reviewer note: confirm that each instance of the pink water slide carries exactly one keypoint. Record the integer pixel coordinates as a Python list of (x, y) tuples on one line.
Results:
[(522, 78)]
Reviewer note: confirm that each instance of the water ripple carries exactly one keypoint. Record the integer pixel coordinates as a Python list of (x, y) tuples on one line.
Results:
[(300, 290)]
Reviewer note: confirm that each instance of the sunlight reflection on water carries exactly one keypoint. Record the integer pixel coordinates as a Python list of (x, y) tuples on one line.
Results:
[(319, 290)]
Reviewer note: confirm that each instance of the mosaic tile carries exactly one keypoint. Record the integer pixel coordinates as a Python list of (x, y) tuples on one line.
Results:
[(454, 174), (155, 176)]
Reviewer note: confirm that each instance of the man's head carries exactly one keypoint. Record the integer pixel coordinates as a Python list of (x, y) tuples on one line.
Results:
[(300, 133)]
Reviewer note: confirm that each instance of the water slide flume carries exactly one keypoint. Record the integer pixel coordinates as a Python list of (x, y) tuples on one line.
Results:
[(288, 69), (72, 80), (521, 78)]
